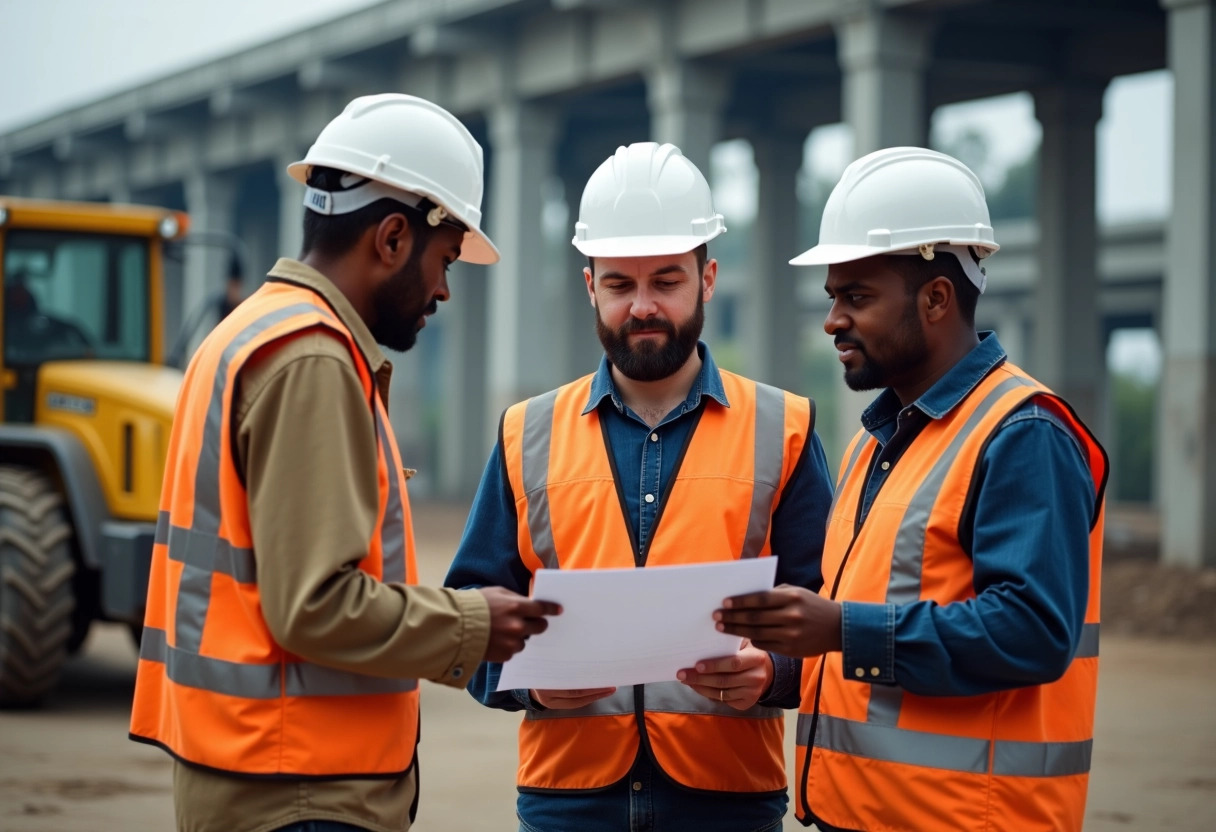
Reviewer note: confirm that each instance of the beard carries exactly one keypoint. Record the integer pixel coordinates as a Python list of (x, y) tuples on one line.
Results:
[(905, 347), (400, 307), (648, 360)]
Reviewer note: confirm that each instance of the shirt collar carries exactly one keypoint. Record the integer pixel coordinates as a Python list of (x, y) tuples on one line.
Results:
[(708, 383), (947, 391), (293, 271)]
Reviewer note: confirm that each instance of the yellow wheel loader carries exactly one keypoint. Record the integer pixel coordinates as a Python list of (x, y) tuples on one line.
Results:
[(86, 411)]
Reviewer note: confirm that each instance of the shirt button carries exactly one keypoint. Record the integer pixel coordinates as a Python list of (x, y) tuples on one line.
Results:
[(654, 437), (637, 786), (457, 672), (874, 671), (886, 465), (860, 672), (650, 498)]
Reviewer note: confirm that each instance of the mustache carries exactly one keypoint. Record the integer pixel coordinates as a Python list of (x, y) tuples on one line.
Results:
[(848, 342), (647, 325), (432, 307)]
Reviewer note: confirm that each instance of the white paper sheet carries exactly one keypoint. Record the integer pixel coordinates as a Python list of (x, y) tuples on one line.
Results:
[(631, 626)]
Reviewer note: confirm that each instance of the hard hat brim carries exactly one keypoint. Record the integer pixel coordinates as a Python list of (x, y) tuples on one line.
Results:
[(478, 249), (640, 246), (827, 255)]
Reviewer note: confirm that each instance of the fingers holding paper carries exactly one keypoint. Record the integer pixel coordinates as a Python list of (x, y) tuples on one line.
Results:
[(789, 620), (739, 680), (564, 700)]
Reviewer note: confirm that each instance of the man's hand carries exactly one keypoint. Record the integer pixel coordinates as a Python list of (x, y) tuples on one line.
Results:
[(739, 680), (789, 620), (564, 700), (513, 618)]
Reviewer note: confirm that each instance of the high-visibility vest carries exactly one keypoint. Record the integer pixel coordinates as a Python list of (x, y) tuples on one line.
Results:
[(885, 758), (213, 687), (718, 507)]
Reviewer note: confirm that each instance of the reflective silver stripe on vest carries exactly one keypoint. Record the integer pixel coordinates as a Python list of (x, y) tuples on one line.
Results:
[(966, 754), (766, 478), (678, 698), (204, 553), (892, 745), (1087, 646), (848, 469), (1041, 759), (619, 703), (907, 559), (194, 589), (392, 530), (538, 432), (260, 681), (211, 554), (306, 679), (660, 697)]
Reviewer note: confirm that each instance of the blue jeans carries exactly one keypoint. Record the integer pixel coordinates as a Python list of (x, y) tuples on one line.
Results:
[(320, 826), (646, 801)]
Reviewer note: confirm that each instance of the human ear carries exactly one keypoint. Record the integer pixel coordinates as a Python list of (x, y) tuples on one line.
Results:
[(393, 240), (937, 297)]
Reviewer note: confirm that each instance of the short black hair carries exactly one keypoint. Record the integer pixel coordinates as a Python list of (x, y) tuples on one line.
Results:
[(333, 235), (701, 252), (917, 271)]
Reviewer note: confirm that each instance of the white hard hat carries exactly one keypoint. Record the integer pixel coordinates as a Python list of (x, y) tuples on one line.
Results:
[(402, 144), (644, 200), (905, 200)]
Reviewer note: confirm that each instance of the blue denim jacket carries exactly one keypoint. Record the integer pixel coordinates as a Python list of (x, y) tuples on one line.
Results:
[(1029, 542), (645, 460)]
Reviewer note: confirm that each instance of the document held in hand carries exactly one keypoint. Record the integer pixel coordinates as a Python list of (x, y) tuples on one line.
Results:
[(631, 626)]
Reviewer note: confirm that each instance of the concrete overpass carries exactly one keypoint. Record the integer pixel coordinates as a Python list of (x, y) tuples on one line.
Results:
[(552, 86)]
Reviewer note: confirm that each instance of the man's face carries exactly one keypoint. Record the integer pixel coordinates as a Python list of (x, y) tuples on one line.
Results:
[(875, 324), (649, 311), (403, 301)]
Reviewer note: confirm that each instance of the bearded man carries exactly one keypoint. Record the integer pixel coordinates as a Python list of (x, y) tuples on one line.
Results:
[(657, 458)]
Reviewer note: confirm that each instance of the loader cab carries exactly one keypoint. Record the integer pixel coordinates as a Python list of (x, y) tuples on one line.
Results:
[(70, 296)]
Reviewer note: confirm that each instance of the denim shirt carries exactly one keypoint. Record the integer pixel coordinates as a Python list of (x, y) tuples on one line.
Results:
[(1028, 534), (645, 460)]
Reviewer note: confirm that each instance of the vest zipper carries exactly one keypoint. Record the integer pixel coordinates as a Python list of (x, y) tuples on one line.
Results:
[(810, 742)]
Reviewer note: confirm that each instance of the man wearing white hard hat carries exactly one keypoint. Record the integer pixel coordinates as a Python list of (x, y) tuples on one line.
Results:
[(657, 458), (285, 632), (957, 633)]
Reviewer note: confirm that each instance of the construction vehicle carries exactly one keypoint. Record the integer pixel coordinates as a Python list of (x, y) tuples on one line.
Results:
[(86, 411)]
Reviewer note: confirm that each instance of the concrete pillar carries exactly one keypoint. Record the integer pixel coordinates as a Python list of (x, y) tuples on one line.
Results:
[(1066, 348), (580, 349), (686, 107), (464, 442), (522, 138), (1186, 445), (685, 102), (883, 57), (211, 203), (291, 207), (772, 325)]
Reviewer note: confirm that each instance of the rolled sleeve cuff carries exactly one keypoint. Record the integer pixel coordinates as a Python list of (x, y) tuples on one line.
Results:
[(868, 642), (524, 697), (474, 637), (783, 691)]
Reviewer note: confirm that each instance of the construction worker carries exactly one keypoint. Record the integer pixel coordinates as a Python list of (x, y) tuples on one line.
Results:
[(657, 458), (284, 631), (957, 627)]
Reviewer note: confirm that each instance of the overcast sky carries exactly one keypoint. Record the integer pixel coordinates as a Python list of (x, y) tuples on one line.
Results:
[(61, 53)]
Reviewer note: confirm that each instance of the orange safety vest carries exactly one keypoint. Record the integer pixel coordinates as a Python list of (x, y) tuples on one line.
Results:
[(884, 758), (213, 687), (718, 507)]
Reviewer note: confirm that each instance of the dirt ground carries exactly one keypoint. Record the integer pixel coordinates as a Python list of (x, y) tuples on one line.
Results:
[(68, 766)]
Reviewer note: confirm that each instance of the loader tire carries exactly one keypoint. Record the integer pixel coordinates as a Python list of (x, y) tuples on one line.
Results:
[(36, 569)]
